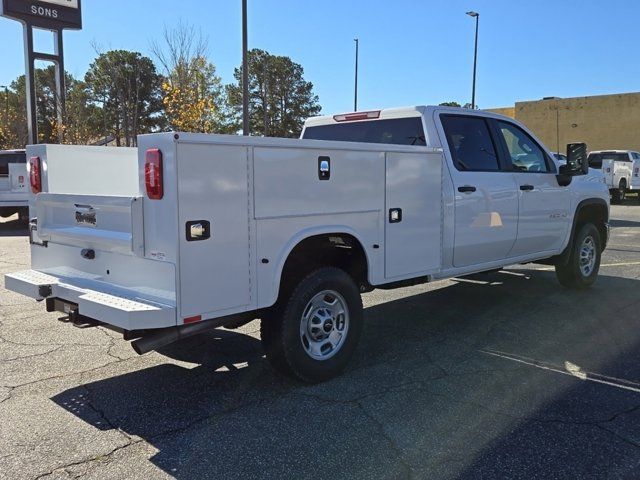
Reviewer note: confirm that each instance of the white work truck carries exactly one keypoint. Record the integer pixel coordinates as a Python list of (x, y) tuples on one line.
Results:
[(190, 231), (13, 184), (617, 167)]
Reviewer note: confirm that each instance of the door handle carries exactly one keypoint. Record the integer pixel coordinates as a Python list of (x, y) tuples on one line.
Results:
[(526, 188), (467, 189)]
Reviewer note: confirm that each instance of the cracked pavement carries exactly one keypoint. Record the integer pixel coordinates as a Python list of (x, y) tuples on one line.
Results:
[(503, 375)]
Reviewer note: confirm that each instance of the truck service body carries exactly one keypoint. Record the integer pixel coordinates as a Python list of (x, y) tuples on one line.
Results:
[(192, 231), (13, 184)]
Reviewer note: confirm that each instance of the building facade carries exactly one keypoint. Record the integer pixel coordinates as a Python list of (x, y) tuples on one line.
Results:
[(603, 122)]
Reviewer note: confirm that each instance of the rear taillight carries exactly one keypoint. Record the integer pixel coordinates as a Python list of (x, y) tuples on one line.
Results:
[(35, 175), (153, 174)]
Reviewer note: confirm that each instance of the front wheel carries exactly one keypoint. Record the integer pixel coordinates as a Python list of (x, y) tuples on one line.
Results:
[(584, 261), (313, 331)]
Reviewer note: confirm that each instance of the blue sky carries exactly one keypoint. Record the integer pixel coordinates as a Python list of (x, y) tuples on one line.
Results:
[(411, 51)]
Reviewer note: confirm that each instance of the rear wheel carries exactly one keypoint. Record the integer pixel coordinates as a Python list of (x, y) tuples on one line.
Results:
[(584, 262), (618, 195), (313, 331)]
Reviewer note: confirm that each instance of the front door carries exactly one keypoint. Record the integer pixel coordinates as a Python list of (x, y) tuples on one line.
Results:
[(486, 198), (543, 204)]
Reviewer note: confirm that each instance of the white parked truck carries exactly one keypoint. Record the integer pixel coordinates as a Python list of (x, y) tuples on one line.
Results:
[(617, 167), (13, 184), (191, 232)]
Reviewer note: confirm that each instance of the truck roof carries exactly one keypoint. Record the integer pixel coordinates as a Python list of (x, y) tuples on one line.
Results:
[(613, 151), (398, 112), (11, 152)]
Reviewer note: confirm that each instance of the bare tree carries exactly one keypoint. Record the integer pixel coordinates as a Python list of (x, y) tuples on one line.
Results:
[(179, 46)]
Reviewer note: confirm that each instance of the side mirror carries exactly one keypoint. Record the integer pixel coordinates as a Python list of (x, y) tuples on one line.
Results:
[(577, 160)]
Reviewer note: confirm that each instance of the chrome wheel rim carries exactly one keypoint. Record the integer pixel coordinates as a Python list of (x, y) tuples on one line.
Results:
[(324, 325), (587, 256)]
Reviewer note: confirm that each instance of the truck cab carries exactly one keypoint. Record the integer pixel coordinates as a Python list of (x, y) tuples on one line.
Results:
[(13, 184)]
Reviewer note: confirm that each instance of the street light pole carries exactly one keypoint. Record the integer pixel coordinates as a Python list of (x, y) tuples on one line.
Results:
[(475, 15), (355, 95), (245, 72)]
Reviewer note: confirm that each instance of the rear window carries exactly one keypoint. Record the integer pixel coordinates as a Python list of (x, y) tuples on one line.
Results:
[(396, 131), (7, 158), (595, 159)]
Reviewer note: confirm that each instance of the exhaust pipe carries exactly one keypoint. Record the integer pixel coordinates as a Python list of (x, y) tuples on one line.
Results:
[(166, 336)]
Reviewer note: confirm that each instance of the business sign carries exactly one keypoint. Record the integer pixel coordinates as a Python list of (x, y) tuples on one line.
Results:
[(49, 14)]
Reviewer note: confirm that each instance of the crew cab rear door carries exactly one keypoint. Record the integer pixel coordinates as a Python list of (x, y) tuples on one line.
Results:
[(486, 198)]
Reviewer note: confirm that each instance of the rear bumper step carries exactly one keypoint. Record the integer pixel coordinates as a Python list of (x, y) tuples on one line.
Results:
[(125, 311)]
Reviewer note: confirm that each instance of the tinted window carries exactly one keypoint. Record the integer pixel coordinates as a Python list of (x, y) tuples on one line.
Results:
[(7, 158), (526, 155), (595, 160), (397, 131), (470, 143)]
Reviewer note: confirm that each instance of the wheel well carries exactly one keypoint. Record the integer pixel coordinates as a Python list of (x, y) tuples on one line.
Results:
[(595, 213), (339, 250)]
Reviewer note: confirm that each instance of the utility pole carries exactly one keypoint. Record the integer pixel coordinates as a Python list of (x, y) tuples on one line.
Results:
[(355, 96), (245, 72), (475, 15)]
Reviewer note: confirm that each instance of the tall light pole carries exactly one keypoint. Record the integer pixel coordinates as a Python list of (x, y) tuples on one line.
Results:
[(475, 15), (245, 72), (355, 95)]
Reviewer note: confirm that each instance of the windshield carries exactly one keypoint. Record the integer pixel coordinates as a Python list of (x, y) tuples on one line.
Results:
[(397, 131)]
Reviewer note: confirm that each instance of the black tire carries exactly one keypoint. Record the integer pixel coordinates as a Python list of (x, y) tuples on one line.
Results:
[(23, 216), (619, 194), (572, 275), (280, 329)]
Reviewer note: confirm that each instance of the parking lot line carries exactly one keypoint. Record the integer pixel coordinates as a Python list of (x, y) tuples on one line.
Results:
[(568, 369)]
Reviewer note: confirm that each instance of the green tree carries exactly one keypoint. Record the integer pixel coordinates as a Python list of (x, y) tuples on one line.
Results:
[(450, 104), (280, 99), (128, 88), (12, 122), (79, 122)]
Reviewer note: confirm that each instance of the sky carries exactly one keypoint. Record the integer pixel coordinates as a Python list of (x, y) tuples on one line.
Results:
[(412, 52)]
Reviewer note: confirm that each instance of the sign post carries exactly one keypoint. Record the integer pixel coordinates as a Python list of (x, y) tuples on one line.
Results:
[(53, 15)]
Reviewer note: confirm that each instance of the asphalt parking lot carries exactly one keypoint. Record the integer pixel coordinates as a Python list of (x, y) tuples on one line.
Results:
[(506, 375)]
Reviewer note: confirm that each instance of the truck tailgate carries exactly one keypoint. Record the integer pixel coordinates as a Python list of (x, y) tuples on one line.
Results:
[(113, 224)]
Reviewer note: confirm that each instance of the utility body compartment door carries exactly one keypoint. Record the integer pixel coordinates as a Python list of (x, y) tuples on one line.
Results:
[(413, 216), (213, 228)]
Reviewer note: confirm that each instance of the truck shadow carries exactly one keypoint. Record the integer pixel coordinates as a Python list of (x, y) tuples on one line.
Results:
[(455, 382), (13, 228), (624, 223)]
